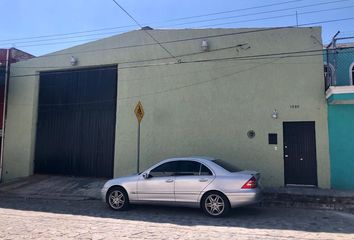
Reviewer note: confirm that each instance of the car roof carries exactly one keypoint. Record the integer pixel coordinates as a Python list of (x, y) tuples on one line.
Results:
[(193, 158), (218, 170)]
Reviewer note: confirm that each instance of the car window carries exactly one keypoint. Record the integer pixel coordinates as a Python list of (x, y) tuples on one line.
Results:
[(192, 168), (164, 170), (227, 166), (204, 170), (188, 168)]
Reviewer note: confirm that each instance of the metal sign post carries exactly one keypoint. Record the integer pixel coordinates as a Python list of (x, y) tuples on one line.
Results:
[(139, 113)]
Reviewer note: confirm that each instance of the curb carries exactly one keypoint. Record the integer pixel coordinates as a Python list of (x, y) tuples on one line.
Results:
[(269, 200), (48, 197), (315, 201), (272, 197)]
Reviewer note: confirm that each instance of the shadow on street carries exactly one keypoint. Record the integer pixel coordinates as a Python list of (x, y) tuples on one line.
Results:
[(246, 217)]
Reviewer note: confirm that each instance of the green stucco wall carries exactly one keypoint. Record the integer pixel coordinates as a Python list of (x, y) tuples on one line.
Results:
[(341, 132), (190, 108)]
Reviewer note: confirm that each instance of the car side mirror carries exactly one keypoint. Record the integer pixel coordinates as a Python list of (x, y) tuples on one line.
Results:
[(146, 175)]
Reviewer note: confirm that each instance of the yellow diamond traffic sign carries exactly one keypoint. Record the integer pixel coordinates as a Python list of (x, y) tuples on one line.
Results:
[(139, 111)]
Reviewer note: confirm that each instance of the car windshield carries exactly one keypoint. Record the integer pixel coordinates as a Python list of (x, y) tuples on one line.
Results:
[(227, 166)]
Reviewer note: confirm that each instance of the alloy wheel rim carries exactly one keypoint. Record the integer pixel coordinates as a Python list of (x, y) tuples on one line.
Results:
[(214, 204), (116, 199)]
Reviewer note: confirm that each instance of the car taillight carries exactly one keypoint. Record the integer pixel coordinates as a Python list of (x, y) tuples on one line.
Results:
[(251, 183)]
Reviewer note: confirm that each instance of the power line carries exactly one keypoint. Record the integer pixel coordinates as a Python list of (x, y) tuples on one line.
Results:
[(264, 12), (234, 10), (167, 90), (169, 20), (185, 86), (146, 31), (327, 21), (164, 58), (69, 37), (190, 39), (198, 38), (197, 83), (283, 55), (207, 69), (131, 97), (204, 26), (165, 42), (251, 20), (279, 16), (80, 36), (210, 25), (64, 34), (126, 12), (276, 56), (185, 55), (191, 84), (57, 43), (45, 36)]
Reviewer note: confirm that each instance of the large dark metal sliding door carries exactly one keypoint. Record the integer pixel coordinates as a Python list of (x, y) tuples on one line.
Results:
[(76, 122), (300, 153)]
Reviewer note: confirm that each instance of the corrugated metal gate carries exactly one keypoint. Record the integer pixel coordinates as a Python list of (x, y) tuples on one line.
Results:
[(76, 122)]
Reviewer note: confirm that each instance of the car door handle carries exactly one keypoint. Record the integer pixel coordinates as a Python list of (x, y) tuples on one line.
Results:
[(169, 180), (203, 180)]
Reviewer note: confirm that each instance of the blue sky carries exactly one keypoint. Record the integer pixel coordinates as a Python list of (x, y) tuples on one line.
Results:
[(27, 20)]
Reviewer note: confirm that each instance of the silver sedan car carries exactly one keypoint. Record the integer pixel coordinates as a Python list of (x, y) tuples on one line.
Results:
[(209, 183)]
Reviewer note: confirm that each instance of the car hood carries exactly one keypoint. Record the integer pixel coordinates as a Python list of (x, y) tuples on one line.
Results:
[(120, 180)]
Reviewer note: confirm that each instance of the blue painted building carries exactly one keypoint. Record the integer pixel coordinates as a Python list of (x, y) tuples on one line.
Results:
[(339, 76)]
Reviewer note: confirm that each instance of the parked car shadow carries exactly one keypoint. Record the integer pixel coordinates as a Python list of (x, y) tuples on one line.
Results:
[(253, 217)]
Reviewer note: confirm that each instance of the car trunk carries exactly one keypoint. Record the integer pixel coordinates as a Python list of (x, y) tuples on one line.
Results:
[(255, 174)]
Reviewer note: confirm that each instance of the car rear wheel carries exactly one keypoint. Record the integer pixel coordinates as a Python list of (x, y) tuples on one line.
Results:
[(117, 199), (215, 204)]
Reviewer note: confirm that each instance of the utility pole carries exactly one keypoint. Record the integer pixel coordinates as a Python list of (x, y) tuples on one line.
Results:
[(7, 77)]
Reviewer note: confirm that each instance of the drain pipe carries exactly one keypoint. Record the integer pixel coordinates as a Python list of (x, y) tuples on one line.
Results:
[(7, 77)]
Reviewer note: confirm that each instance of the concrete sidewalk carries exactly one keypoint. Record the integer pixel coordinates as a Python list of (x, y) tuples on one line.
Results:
[(53, 187), (310, 197), (75, 188)]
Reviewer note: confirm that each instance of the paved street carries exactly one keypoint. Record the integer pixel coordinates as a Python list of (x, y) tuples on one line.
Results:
[(59, 219)]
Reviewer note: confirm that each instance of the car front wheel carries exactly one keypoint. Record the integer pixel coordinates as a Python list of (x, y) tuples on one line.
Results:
[(215, 204), (117, 199)]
